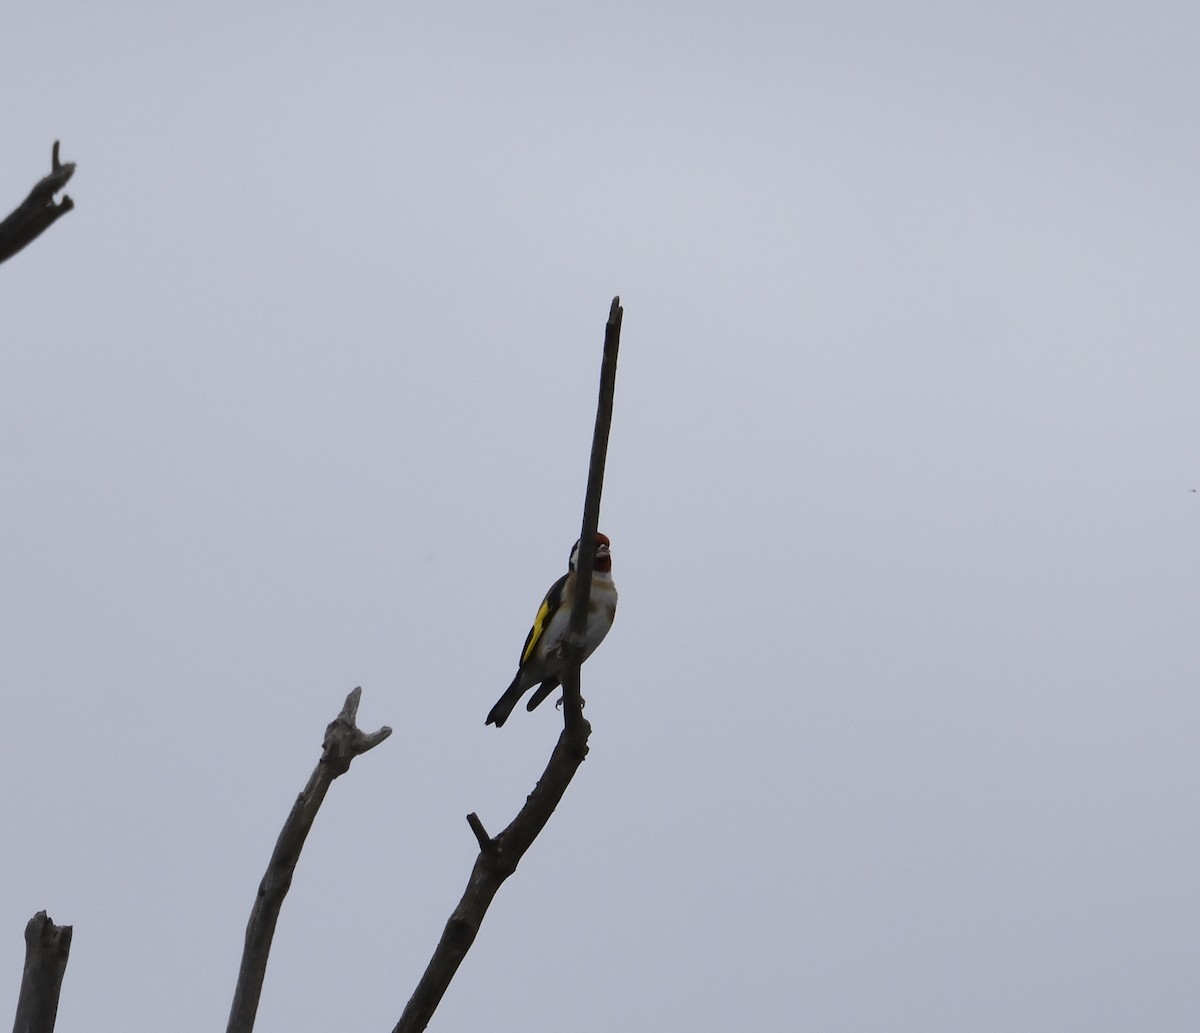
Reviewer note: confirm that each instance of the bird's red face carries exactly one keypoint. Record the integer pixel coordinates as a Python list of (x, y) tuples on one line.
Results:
[(603, 560)]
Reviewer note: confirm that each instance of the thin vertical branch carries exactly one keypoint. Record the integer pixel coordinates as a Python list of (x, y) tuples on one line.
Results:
[(498, 857), (47, 948), (344, 741), (576, 633)]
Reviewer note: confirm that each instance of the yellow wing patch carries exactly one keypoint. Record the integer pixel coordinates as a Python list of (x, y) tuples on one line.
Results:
[(535, 633)]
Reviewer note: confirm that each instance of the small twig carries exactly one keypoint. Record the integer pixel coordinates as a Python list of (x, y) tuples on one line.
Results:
[(481, 837), (499, 856), (47, 947), (38, 212), (344, 741)]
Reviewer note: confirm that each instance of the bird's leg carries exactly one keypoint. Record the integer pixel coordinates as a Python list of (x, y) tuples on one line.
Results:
[(559, 704)]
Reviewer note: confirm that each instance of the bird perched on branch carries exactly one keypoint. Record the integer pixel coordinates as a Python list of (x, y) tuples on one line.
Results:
[(541, 657)]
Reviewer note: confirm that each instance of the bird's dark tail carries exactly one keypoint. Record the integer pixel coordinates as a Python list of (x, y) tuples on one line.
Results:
[(543, 690), (504, 705)]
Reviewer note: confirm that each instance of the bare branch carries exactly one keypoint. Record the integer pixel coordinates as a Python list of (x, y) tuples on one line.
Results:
[(495, 863), (38, 211), (576, 633), (344, 741), (47, 947), (498, 858)]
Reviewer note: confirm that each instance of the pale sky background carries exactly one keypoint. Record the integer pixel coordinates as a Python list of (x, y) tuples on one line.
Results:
[(897, 728)]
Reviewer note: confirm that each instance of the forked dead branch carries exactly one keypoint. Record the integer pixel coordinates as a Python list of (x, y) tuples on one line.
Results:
[(39, 211), (344, 741)]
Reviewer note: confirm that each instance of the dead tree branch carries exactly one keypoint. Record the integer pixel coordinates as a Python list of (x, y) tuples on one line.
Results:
[(47, 947), (576, 633), (344, 741), (38, 212), (499, 856)]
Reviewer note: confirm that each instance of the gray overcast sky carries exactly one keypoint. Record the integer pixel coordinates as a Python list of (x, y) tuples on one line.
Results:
[(897, 727)]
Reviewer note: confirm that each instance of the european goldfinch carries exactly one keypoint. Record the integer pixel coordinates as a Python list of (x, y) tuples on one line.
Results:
[(541, 657)]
